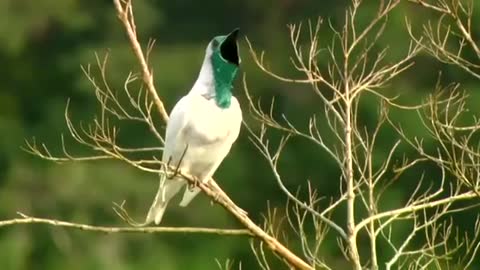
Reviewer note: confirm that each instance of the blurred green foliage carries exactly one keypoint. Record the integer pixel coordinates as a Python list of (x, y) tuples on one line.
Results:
[(42, 45)]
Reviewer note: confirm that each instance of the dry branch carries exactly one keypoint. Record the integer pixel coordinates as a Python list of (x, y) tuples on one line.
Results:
[(125, 14), (24, 219)]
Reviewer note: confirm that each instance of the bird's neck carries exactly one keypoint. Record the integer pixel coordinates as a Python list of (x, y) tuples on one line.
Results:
[(216, 80), (224, 74)]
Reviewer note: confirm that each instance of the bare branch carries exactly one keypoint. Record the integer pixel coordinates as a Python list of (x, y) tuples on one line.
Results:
[(125, 14), (24, 219)]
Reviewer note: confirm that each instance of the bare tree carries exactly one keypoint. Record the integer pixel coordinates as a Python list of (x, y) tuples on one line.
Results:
[(355, 69), (451, 37)]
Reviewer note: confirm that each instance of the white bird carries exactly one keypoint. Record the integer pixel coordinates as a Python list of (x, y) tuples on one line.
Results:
[(203, 125)]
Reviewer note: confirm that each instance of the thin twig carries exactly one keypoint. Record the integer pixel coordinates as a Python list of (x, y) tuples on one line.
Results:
[(25, 219), (126, 17)]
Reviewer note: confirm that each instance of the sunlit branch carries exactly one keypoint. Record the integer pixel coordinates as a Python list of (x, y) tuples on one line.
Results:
[(24, 219)]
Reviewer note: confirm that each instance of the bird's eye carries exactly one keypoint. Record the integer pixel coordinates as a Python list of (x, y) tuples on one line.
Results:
[(215, 43)]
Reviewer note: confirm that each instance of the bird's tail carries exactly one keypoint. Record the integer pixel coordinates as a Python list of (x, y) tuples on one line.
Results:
[(166, 190), (188, 196)]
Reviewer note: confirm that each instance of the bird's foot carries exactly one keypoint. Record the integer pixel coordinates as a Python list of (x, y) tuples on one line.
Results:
[(194, 183), (175, 173), (241, 211), (216, 198)]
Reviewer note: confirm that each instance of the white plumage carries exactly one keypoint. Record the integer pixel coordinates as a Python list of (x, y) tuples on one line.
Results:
[(203, 130)]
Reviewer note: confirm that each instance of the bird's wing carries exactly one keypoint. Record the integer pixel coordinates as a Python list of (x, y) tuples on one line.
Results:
[(178, 121), (169, 187)]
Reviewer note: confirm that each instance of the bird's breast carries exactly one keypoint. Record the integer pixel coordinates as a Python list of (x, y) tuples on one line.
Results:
[(205, 137), (210, 124)]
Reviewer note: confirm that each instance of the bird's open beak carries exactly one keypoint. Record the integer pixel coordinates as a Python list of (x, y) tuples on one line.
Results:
[(229, 48)]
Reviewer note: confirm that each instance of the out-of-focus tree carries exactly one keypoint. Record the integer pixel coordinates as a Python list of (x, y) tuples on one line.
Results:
[(418, 231)]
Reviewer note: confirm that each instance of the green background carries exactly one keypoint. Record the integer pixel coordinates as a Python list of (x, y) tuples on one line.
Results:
[(44, 42)]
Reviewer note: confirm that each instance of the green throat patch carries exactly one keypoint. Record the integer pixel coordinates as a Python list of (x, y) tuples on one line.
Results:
[(224, 74)]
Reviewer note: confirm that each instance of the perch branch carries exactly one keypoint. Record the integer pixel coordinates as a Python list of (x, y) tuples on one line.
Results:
[(125, 14)]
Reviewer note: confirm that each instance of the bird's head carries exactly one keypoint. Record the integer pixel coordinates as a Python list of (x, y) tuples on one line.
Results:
[(223, 50), (223, 58)]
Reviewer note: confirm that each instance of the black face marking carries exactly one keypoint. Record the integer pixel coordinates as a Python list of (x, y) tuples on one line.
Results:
[(215, 43), (229, 50)]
